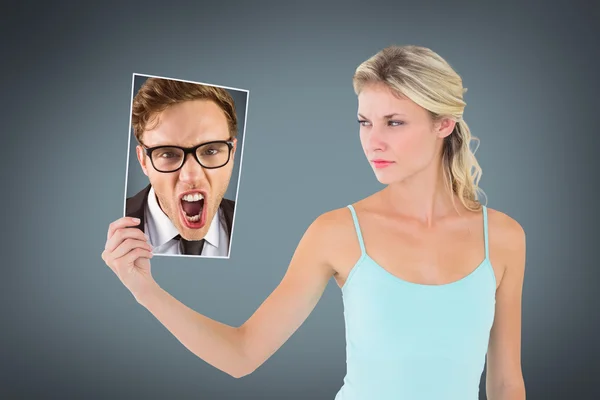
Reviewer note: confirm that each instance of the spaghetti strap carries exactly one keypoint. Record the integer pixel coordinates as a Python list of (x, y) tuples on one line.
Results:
[(357, 227), (485, 233)]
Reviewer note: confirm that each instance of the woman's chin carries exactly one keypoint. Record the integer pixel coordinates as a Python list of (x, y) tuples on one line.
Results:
[(388, 179), (385, 179)]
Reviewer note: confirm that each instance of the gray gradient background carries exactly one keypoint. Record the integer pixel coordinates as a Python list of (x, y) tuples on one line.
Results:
[(136, 180), (71, 330)]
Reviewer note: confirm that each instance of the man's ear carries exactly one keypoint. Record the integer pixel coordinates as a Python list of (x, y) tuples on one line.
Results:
[(234, 140), (141, 156), (444, 127)]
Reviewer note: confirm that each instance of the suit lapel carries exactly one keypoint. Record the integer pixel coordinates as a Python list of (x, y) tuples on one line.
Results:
[(135, 206), (228, 206)]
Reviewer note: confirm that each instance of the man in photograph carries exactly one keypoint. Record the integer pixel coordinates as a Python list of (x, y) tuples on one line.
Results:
[(186, 134)]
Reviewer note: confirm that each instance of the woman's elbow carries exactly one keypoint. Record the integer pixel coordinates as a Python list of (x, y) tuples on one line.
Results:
[(242, 370)]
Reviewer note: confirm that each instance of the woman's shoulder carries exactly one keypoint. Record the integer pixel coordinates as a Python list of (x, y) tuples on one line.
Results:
[(334, 222), (506, 242), (505, 229), (338, 220), (336, 226)]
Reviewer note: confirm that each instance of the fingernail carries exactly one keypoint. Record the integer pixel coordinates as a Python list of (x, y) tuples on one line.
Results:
[(136, 220)]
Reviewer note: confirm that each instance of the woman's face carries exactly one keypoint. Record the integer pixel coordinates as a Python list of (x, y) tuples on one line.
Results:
[(398, 136)]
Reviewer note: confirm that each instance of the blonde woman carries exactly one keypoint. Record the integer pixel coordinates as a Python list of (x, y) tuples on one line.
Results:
[(431, 278)]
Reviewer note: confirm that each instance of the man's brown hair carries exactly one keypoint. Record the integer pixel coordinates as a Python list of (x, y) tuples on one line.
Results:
[(156, 94)]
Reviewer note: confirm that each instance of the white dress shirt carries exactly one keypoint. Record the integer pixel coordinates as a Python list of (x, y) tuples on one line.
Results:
[(161, 232)]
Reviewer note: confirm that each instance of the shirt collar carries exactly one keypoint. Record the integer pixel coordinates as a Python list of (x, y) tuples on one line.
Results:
[(164, 229)]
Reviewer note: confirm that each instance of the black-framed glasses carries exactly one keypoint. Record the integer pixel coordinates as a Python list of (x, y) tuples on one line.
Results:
[(209, 155)]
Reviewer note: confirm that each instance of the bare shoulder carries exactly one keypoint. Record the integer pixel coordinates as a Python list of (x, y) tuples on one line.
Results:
[(333, 227), (335, 232), (506, 229), (334, 221), (507, 241)]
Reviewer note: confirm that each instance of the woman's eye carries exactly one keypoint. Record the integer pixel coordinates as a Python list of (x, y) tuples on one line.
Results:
[(363, 122), (395, 123)]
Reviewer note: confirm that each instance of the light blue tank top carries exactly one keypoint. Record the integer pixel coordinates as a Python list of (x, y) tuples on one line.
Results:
[(409, 341)]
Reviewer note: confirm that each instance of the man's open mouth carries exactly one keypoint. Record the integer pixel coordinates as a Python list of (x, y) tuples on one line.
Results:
[(192, 205)]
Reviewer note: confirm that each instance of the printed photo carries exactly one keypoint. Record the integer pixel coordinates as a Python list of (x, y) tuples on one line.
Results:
[(184, 164)]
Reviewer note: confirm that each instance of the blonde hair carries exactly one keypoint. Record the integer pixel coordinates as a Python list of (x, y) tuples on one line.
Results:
[(427, 79)]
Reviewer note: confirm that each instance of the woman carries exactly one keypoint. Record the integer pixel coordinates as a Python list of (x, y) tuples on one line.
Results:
[(422, 309)]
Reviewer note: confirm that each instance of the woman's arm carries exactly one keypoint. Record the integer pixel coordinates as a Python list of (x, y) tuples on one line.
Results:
[(504, 378), (238, 351)]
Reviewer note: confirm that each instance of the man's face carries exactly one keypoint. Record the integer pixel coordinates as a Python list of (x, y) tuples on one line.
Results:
[(188, 124)]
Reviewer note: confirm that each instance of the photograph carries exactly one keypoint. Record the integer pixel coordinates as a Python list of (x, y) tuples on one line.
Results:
[(184, 164)]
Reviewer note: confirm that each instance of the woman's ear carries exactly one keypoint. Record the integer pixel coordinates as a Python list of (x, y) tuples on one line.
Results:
[(444, 127)]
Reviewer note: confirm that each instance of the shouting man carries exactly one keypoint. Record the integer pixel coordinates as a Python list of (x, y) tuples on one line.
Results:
[(186, 134)]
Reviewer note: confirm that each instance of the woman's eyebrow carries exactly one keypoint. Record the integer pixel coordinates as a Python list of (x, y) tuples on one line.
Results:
[(393, 115), (385, 116)]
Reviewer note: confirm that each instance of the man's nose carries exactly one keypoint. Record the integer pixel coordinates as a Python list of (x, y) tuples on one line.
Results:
[(191, 171)]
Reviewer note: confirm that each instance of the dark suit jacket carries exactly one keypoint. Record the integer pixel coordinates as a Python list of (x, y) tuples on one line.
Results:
[(135, 206)]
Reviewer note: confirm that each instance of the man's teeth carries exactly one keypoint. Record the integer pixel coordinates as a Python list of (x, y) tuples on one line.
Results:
[(195, 218), (193, 197)]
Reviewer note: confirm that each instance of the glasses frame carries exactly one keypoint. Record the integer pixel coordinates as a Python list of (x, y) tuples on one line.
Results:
[(189, 150)]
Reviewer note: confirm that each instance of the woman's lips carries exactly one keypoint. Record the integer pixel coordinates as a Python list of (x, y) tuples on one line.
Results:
[(381, 163)]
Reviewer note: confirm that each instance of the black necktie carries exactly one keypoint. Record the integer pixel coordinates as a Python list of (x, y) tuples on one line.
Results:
[(193, 247)]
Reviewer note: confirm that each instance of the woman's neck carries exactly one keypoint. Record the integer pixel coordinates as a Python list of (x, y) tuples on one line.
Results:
[(424, 196)]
